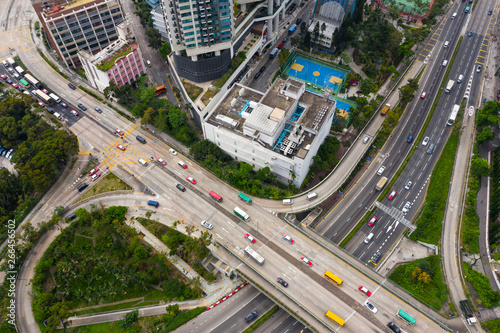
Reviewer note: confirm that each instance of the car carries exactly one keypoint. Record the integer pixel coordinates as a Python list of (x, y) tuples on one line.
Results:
[(182, 164), (71, 86), (64, 105), (282, 282), (366, 139), (98, 109), (423, 95), (74, 113), (445, 62), (256, 76), (410, 139), (119, 132), (376, 257), (8, 81), (425, 141), (21, 89), (251, 316), (207, 225), (371, 307), (298, 21), (288, 239), (250, 238), (180, 187), (162, 162), (406, 207), (94, 170), (408, 185), (393, 327), (281, 45), (306, 261), (50, 110), (191, 180), (498, 95), (392, 195), (372, 221), (95, 176), (45, 91), (490, 11), (478, 69), (81, 106), (262, 69), (381, 170), (120, 147), (285, 39), (3, 76), (15, 85), (41, 104), (469, 33), (365, 291), (173, 152)]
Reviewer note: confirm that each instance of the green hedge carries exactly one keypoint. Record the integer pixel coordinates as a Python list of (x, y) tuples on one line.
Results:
[(488, 297)]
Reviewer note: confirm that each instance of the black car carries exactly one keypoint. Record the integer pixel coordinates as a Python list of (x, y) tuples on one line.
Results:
[(251, 316), (257, 76), (490, 12), (298, 21), (8, 81), (393, 327), (140, 139), (98, 109), (71, 86), (50, 110), (285, 39), (180, 187), (282, 282), (376, 256), (262, 69), (81, 106)]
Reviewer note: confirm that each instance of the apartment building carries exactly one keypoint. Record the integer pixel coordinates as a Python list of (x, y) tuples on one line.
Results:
[(282, 128), (120, 62), (159, 23), (73, 25)]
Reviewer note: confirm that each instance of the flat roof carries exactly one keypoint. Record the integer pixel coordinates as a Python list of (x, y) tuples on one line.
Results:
[(55, 5)]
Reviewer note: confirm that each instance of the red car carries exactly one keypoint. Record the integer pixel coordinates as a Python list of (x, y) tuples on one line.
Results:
[(250, 238), (423, 95), (45, 91), (365, 291), (94, 170), (281, 45), (306, 261), (3, 76), (74, 113), (15, 85), (392, 195), (95, 176), (119, 132), (41, 104), (498, 95), (191, 180), (162, 162), (120, 147), (372, 221)]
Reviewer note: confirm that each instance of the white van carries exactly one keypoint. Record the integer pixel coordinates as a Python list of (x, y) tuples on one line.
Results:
[(311, 196), (143, 162), (460, 78), (287, 202), (369, 238), (5, 63), (453, 16)]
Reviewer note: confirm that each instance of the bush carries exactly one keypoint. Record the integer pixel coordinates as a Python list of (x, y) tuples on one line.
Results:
[(481, 284)]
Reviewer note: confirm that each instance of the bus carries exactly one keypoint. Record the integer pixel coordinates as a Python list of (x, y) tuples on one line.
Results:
[(453, 115), (254, 255), (55, 97), (292, 29), (406, 317), (245, 199), (332, 316), (43, 96), (24, 83), (335, 279), (241, 213), (32, 80), (215, 196), (160, 90)]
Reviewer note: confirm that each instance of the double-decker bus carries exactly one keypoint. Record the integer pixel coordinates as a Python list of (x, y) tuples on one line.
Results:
[(406, 317), (245, 199), (215, 196), (335, 279), (32, 80), (44, 97), (254, 255), (332, 316), (24, 83)]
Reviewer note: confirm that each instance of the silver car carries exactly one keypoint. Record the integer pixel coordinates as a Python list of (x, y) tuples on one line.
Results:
[(207, 225), (408, 185), (426, 141), (406, 207)]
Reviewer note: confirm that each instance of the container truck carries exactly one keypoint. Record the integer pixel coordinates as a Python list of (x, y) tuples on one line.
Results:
[(381, 183)]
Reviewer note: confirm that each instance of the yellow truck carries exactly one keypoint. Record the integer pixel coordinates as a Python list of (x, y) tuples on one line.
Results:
[(381, 183), (385, 109)]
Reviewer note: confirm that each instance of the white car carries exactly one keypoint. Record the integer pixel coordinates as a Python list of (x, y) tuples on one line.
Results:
[(207, 225), (173, 152), (381, 170), (406, 207), (426, 141), (408, 185), (371, 307)]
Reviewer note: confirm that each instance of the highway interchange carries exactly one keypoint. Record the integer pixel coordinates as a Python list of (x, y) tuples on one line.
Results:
[(96, 133)]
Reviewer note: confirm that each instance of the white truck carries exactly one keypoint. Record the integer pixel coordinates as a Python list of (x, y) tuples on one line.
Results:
[(449, 86), (467, 309)]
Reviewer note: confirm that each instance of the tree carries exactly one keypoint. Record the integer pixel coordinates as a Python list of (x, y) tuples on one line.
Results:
[(165, 50), (484, 136), (129, 319), (58, 211), (345, 57), (140, 253), (315, 34), (296, 41), (367, 86), (480, 167), (154, 37), (307, 40), (283, 58)]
